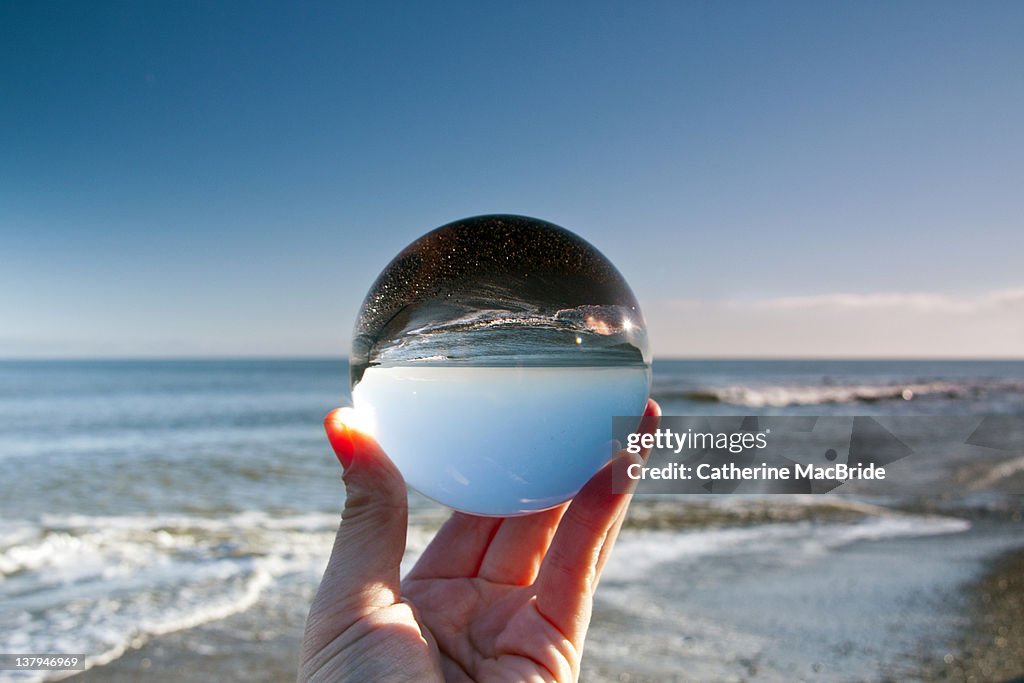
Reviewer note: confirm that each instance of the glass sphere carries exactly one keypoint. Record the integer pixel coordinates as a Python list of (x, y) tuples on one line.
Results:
[(489, 358)]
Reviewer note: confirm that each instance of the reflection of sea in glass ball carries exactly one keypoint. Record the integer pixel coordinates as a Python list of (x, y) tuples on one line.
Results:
[(489, 358)]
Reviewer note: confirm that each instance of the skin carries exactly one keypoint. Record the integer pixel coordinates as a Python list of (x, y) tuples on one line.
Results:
[(491, 599)]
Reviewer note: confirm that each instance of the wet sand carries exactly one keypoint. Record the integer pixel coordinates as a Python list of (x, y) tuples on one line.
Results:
[(992, 647)]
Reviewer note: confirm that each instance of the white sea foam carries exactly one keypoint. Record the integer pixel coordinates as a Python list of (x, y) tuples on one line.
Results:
[(135, 636), (741, 503), (248, 520), (781, 395), (641, 551), (104, 585), (999, 472)]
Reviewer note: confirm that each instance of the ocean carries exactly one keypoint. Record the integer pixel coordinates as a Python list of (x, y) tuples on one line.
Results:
[(170, 520)]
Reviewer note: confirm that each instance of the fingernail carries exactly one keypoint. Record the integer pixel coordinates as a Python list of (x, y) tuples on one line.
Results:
[(340, 437)]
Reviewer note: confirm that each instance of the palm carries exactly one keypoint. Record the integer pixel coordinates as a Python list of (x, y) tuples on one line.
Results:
[(491, 634), (479, 592)]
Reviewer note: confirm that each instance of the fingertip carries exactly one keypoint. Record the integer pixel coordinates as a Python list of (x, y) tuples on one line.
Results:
[(652, 409), (349, 430), (340, 436), (360, 420), (332, 417), (651, 418)]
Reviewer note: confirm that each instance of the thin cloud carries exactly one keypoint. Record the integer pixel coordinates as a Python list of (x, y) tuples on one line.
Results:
[(913, 301), (988, 324)]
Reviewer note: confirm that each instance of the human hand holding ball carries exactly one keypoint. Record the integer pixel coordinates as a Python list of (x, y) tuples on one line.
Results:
[(490, 599), (488, 360)]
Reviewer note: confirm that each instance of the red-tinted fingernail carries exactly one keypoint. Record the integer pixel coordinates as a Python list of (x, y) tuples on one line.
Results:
[(340, 437)]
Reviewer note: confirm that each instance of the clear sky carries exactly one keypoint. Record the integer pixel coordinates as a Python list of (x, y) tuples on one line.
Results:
[(773, 179)]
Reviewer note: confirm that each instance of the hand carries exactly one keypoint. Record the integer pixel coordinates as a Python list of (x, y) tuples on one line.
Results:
[(491, 599)]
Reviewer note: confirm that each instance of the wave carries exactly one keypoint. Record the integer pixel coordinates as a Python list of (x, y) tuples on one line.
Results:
[(191, 616), (788, 542), (660, 512), (107, 585), (783, 395), (585, 335), (604, 320)]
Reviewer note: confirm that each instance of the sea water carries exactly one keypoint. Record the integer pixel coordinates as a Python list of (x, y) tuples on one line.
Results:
[(499, 440), (141, 497)]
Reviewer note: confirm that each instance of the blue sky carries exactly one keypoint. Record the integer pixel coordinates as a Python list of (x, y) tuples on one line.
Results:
[(774, 179)]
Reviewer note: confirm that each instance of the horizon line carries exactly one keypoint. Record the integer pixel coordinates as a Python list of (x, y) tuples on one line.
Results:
[(244, 357)]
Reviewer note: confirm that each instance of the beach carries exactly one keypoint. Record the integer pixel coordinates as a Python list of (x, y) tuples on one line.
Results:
[(981, 640), (989, 645), (992, 645), (171, 520)]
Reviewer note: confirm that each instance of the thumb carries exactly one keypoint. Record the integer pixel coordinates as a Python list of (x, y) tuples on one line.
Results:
[(363, 572)]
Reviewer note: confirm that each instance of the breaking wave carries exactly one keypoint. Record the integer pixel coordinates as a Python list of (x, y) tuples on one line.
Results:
[(758, 396)]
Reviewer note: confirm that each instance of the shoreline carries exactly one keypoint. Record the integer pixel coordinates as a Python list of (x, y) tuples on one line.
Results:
[(987, 644)]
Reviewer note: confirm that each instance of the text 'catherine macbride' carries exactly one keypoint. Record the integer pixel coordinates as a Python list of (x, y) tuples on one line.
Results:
[(734, 443)]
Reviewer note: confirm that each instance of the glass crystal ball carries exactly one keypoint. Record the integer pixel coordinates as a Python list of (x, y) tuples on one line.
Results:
[(489, 358)]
